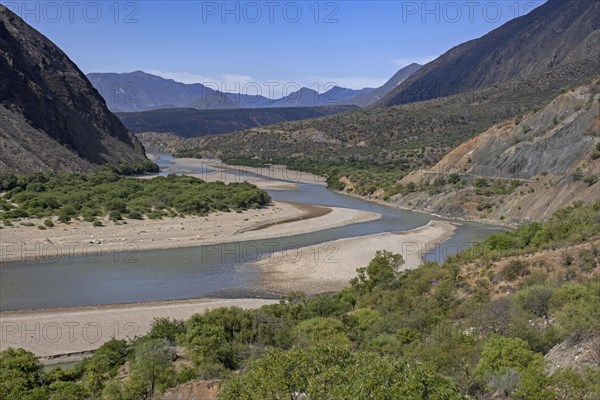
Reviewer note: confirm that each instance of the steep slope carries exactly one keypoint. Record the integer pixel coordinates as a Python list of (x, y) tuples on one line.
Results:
[(366, 99), (187, 122), (50, 115), (542, 45), (519, 170)]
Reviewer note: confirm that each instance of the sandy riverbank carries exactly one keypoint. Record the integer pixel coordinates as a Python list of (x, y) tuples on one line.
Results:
[(78, 237), (275, 174), (63, 335), (72, 331), (330, 266)]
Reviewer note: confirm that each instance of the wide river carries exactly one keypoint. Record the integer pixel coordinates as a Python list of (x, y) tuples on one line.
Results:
[(226, 270)]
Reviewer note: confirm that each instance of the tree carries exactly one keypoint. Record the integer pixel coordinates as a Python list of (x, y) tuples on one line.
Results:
[(320, 330), (152, 366), (535, 299), (503, 357), (335, 372), (67, 391), (501, 353), (20, 373), (383, 270)]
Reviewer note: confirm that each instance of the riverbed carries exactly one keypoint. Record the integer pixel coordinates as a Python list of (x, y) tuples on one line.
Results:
[(230, 269)]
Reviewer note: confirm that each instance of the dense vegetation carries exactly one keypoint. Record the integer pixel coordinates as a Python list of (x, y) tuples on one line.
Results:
[(365, 178), (436, 332), (106, 192)]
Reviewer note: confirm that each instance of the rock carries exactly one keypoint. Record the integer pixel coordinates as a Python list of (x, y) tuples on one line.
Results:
[(51, 117)]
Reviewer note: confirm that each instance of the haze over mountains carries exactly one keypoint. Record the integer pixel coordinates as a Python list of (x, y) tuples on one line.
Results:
[(140, 91), (50, 115), (514, 69)]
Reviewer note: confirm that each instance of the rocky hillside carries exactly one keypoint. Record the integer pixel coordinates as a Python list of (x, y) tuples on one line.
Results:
[(50, 115), (160, 142), (520, 170), (557, 42)]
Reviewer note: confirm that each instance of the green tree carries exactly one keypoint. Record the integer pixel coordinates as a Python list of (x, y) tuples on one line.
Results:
[(383, 270), (320, 330), (152, 366), (535, 299), (20, 373), (333, 372), (67, 391)]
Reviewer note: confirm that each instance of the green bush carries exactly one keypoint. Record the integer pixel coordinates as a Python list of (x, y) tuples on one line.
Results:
[(115, 216), (577, 174), (70, 196), (480, 182), (590, 179)]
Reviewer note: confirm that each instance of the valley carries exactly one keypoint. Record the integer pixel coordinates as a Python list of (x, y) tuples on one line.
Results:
[(400, 219)]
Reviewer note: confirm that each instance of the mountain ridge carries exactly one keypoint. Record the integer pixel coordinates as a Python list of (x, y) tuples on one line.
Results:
[(558, 32), (52, 117), (140, 91)]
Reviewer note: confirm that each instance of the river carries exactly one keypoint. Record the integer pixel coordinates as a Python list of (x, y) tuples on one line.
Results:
[(226, 270)]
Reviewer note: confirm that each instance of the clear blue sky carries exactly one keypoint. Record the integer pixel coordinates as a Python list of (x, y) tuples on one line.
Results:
[(351, 43)]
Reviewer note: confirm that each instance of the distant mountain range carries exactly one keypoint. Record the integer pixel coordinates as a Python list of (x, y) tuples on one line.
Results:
[(51, 118), (140, 91), (511, 71)]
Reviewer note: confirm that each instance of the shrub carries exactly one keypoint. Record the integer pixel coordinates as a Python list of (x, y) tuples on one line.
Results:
[(577, 174), (135, 215), (590, 179), (480, 182), (64, 217), (535, 299), (454, 178), (515, 269), (49, 223), (115, 216)]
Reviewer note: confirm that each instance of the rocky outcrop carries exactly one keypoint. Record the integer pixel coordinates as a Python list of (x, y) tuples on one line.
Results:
[(547, 154), (50, 115), (574, 353)]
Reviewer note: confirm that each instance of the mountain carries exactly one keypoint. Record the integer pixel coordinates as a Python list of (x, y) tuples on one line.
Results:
[(140, 91), (413, 133), (367, 98), (187, 122), (51, 117), (556, 42), (520, 170)]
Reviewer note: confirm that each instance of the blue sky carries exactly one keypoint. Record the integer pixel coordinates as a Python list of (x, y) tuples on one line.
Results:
[(349, 43)]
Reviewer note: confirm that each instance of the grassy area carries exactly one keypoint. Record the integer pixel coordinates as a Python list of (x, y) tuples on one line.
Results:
[(428, 333), (88, 196)]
